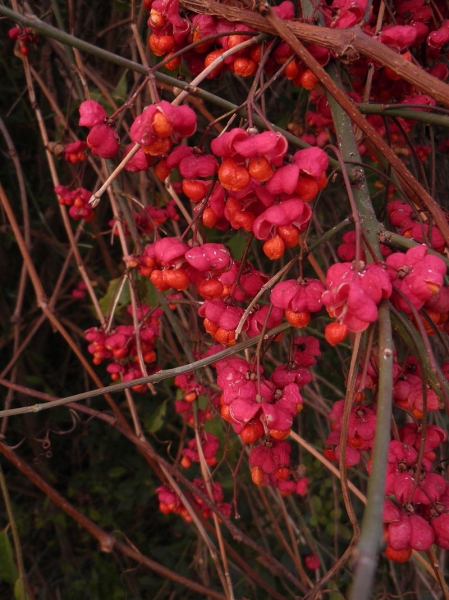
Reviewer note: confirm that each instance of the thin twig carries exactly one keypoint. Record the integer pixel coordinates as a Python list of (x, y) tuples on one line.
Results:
[(15, 535)]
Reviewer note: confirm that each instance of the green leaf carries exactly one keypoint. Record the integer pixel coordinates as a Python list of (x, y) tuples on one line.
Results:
[(8, 570), (116, 472), (155, 420), (94, 514), (317, 504), (344, 532), (149, 292), (330, 529), (109, 298), (214, 426), (237, 244), (121, 91), (33, 380), (17, 594)]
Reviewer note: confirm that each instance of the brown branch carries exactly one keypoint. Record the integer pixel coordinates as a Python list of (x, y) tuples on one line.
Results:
[(235, 556), (107, 541), (344, 43), (421, 196)]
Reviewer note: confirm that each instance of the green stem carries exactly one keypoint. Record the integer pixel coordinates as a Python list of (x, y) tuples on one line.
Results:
[(159, 376), (394, 239), (15, 534), (367, 108), (349, 150), (330, 233), (371, 536), (70, 40)]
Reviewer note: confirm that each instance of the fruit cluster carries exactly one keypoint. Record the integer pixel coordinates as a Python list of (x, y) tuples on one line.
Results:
[(24, 36), (77, 200), (127, 349), (170, 502), (416, 515)]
